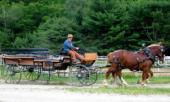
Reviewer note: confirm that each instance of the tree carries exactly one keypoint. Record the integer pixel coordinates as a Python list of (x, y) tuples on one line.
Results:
[(150, 20), (3, 40), (53, 33), (104, 21), (74, 10), (98, 25)]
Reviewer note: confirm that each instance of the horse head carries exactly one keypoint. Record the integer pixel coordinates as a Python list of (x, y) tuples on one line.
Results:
[(156, 50)]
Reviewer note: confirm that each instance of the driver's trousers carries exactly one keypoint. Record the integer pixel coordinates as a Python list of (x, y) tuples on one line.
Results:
[(75, 55)]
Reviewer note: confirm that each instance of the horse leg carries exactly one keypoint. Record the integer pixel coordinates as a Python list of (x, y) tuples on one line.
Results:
[(145, 75), (113, 77), (150, 76), (123, 82), (116, 80), (112, 69), (105, 82)]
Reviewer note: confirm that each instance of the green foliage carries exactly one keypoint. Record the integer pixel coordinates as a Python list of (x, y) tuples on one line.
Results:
[(74, 9), (98, 25), (3, 40), (150, 19), (107, 20), (55, 31)]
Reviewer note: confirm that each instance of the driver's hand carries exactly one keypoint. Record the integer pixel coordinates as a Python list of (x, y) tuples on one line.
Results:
[(77, 48)]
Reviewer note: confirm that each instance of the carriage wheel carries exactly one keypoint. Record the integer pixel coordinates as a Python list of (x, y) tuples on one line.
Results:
[(46, 74), (72, 75), (84, 75), (2, 71), (32, 72), (12, 74)]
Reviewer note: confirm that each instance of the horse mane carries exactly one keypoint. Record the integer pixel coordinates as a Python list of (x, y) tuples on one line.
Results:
[(156, 44)]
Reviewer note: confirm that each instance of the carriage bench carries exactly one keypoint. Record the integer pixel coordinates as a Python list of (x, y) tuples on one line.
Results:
[(27, 51), (23, 56), (17, 55)]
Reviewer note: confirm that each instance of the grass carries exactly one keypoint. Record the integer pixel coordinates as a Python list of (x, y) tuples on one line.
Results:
[(54, 79), (1, 72), (131, 78), (123, 90)]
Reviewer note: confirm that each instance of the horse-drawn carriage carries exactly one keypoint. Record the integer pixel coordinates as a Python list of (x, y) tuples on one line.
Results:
[(34, 62)]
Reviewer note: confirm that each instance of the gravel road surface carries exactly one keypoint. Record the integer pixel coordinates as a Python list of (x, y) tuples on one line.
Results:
[(53, 93)]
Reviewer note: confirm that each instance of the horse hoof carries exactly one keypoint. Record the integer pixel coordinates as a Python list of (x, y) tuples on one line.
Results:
[(126, 84), (139, 82), (105, 83), (119, 84), (143, 85), (147, 81)]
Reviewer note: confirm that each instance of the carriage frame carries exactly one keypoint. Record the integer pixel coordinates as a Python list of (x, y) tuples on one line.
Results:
[(35, 62)]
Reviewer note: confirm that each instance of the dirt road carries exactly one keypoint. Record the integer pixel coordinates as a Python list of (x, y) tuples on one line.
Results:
[(50, 93)]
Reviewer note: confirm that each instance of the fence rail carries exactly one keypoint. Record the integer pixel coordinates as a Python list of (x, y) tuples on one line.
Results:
[(166, 62), (102, 61)]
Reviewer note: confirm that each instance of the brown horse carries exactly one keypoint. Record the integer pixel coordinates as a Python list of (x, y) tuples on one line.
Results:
[(135, 61)]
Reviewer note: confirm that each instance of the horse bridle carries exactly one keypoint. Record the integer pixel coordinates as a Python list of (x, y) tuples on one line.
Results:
[(148, 53), (162, 49)]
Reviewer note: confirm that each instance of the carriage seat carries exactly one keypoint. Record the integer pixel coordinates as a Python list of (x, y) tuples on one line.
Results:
[(89, 59), (66, 56), (64, 53)]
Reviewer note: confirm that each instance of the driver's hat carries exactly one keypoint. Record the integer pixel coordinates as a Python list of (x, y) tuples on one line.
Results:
[(70, 35)]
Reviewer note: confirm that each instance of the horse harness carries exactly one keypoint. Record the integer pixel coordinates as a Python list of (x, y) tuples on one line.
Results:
[(147, 53)]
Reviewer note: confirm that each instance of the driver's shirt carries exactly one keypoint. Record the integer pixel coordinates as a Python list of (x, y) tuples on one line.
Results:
[(68, 45)]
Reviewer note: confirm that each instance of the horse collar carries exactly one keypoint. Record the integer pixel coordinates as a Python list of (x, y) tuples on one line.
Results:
[(148, 53)]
